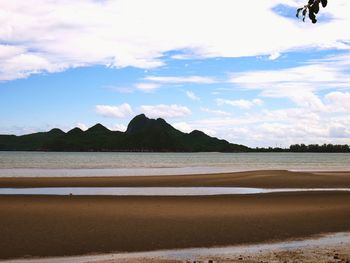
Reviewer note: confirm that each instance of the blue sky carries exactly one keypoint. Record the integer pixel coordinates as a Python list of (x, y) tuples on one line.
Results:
[(269, 81)]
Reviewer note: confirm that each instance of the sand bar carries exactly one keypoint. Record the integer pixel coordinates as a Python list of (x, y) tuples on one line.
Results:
[(258, 179)]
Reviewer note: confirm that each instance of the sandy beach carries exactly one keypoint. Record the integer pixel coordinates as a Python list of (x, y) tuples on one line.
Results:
[(46, 226)]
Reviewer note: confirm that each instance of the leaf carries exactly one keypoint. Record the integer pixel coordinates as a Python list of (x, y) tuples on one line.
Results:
[(316, 7), (324, 3), (298, 12), (312, 17)]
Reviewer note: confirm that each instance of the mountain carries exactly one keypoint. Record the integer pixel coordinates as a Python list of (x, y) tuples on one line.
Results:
[(142, 135)]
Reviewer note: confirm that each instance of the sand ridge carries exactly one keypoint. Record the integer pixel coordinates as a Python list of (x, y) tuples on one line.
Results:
[(259, 179)]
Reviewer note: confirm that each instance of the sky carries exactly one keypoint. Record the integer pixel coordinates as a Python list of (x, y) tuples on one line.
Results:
[(249, 72)]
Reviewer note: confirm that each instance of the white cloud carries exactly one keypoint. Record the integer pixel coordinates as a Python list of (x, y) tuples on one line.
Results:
[(51, 36), (7, 51), (210, 132), (280, 127), (185, 127), (82, 126), (181, 79), (117, 127), (147, 87), (339, 132), (242, 104), (192, 96), (165, 111), (22, 65), (299, 84), (307, 76), (274, 56), (215, 112), (182, 126), (121, 111), (339, 101)]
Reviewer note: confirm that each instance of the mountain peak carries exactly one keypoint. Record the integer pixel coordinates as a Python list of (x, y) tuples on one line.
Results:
[(75, 130), (98, 128), (141, 116), (56, 131), (141, 123), (137, 123), (198, 133)]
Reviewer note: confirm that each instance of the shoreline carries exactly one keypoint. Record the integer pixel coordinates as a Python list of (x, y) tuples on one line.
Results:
[(321, 247)]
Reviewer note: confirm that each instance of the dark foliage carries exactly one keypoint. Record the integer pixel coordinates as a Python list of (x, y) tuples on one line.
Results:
[(336, 148), (327, 148), (311, 10), (270, 149)]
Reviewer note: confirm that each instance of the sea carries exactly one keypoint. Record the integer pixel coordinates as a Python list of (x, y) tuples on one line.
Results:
[(18, 164)]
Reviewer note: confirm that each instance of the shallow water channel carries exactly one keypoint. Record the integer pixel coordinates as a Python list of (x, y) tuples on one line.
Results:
[(158, 191)]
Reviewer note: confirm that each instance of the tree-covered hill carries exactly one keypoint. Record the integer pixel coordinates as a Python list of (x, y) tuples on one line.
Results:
[(142, 134)]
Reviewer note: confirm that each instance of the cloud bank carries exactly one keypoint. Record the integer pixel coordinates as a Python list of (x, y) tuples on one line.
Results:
[(50, 36)]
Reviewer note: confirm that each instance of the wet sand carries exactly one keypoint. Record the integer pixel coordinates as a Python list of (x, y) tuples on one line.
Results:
[(46, 226), (42, 226), (259, 179)]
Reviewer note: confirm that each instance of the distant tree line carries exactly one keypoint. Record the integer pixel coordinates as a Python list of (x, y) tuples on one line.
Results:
[(336, 148), (326, 148), (270, 149)]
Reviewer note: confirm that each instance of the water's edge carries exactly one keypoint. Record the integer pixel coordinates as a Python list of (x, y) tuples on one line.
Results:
[(328, 240), (157, 191)]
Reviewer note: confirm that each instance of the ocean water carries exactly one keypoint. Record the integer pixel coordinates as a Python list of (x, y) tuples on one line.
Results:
[(104, 164)]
